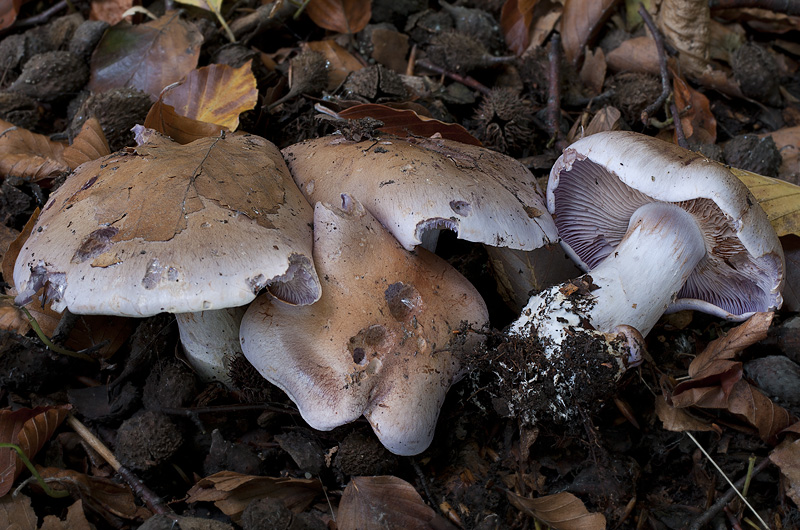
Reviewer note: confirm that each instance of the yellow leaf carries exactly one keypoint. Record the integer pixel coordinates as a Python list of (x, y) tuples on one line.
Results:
[(209, 5), (780, 199)]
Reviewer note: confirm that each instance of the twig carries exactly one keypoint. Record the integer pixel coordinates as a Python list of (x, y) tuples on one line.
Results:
[(463, 79), (725, 499), (153, 501), (42, 17), (676, 118), (788, 7), (554, 92), (662, 64)]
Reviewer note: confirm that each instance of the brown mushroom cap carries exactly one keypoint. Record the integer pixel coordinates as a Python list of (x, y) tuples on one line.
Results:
[(377, 343), (169, 227), (416, 184)]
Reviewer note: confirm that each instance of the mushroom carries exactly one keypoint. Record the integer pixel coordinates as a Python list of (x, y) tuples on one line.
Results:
[(659, 229), (382, 340), (415, 186), (175, 228)]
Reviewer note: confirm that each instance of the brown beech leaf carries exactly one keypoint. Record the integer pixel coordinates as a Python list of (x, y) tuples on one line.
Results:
[(344, 16), (216, 94), (232, 492), (780, 199), (385, 502), (75, 519), (515, 21), (340, 61), (678, 419), (29, 429), (408, 123), (581, 21), (638, 54), (9, 9), (110, 11), (28, 155), (759, 411), (90, 144), (16, 513), (183, 130), (787, 457), (147, 57), (697, 120), (593, 71), (101, 495), (754, 329), (561, 511)]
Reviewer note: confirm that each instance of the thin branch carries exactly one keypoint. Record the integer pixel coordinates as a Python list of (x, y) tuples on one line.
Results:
[(463, 79), (789, 7), (662, 64), (554, 92), (676, 122)]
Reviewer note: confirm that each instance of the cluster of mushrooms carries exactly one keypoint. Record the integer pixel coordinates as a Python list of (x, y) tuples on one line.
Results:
[(340, 305)]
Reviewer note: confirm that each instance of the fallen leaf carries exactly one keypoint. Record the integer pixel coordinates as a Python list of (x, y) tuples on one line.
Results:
[(593, 71), (390, 48), (753, 330), (697, 120), (147, 57), (677, 419), (787, 457), (561, 511), (515, 20), (75, 520), (214, 6), (408, 123), (12, 318), (232, 492), (581, 21), (385, 502), (28, 155), (787, 140), (29, 429), (183, 130), (16, 513), (109, 11), (7, 236), (759, 411), (216, 94), (90, 144), (100, 495), (344, 16), (638, 54), (9, 9), (340, 61), (779, 199), (684, 25)]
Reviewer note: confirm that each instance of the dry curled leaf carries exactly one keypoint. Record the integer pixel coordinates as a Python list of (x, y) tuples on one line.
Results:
[(101, 495), (29, 429), (408, 123), (678, 420), (344, 16), (749, 403), (580, 23), (340, 61), (28, 155), (638, 54), (9, 9), (232, 492), (561, 511), (89, 144), (16, 513), (685, 25), (697, 120), (779, 199), (110, 11), (147, 56), (515, 21), (730, 345), (216, 94), (385, 502), (787, 457), (74, 520)]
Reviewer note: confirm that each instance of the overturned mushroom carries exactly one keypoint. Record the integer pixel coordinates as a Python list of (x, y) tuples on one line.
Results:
[(659, 229), (417, 186), (380, 342), (175, 228)]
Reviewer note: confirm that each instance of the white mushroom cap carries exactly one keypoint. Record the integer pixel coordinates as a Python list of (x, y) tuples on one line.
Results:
[(412, 185), (378, 342), (176, 228), (601, 180)]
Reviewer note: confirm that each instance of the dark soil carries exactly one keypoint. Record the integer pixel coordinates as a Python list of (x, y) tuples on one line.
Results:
[(611, 450)]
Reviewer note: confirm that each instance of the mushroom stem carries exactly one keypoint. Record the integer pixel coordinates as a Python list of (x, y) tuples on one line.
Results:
[(210, 340), (633, 286)]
